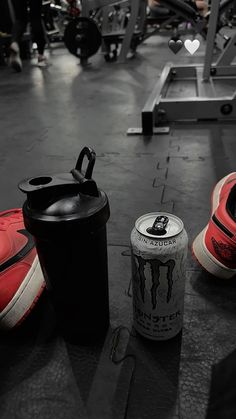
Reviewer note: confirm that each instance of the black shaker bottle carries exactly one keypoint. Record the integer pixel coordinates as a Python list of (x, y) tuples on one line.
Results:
[(67, 215)]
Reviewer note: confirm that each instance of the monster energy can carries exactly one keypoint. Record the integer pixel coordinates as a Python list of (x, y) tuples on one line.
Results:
[(158, 252)]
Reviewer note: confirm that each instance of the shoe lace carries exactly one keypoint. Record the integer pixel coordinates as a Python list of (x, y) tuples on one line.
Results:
[(6, 220)]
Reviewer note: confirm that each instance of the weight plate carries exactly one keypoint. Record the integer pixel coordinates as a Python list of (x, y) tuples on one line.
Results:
[(82, 37)]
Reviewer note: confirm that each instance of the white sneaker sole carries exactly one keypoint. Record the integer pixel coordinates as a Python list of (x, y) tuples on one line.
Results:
[(200, 251), (43, 65), (208, 261), (25, 298)]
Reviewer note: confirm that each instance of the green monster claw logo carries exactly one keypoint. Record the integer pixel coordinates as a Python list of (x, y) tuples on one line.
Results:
[(155, 265)]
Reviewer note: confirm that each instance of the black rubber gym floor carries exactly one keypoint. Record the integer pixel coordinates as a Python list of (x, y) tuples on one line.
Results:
[(46, 117)]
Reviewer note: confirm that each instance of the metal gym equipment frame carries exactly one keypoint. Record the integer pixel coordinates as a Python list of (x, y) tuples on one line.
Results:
[(134, 27), (126, 37), (160, 110)]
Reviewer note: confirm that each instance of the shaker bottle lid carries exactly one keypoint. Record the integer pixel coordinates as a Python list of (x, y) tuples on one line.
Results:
[(63, 197), (159, 225)]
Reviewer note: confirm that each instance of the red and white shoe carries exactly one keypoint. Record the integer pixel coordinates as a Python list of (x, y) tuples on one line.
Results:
[(215, 246), (21, 278)]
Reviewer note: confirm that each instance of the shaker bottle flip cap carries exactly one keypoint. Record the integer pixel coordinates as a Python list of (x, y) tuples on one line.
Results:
[(66, 196)]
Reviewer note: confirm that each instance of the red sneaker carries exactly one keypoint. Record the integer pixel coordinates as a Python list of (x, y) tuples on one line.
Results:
[(215, 246), (21, 278)]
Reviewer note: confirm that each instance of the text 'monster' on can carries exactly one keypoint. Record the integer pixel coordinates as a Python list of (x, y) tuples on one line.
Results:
[(159, 245)]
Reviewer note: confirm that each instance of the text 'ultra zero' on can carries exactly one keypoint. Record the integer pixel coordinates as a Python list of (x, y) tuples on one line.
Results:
[(159, 245)]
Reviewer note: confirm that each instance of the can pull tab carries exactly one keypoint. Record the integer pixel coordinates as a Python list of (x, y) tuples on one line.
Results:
[(159, 226)]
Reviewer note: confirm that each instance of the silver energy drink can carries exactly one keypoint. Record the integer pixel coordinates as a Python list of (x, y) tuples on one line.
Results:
[(159, 245)]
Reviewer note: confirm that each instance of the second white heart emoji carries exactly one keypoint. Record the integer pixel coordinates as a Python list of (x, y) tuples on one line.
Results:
[(192, 46)]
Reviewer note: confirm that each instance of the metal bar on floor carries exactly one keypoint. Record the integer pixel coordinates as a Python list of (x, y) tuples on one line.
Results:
[(195, 108), (148, 112)]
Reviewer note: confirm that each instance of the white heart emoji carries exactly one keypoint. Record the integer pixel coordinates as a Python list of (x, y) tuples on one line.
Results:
[(192, 46)]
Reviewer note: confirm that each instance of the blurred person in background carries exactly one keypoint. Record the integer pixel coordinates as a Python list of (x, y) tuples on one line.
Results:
[(21, 19)]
